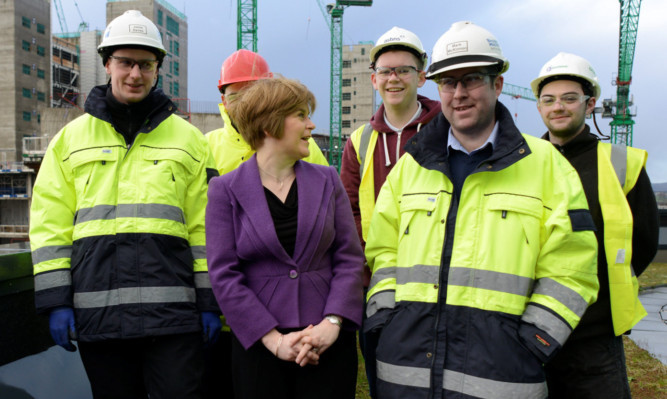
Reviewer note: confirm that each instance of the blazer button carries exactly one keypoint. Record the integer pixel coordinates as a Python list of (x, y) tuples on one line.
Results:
[(293, 274)]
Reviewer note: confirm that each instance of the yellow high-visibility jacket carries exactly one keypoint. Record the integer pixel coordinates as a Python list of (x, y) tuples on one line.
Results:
[(470, 297), (230, 150), (117, 231), (618, 170)]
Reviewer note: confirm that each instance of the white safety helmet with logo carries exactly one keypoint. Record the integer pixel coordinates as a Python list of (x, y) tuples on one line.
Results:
[(566, 64), (131, 29), (466, 45), (395, 38)]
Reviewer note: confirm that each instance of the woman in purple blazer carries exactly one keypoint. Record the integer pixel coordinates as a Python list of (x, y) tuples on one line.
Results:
[(284, 256)]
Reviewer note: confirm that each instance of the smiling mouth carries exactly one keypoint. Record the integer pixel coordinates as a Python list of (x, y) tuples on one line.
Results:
[(462, 108), (395, 89)]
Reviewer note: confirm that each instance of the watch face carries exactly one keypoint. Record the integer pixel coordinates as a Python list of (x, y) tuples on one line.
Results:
[(334, 320)]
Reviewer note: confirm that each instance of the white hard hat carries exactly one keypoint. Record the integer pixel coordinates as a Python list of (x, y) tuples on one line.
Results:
[(566, 64), (399, 37), (466, 45), (133, 29)]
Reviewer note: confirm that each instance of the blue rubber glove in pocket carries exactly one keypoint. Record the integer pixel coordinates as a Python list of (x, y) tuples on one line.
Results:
[(61, 325)]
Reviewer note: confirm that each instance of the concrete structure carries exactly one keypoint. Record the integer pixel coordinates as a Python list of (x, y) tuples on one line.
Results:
[(92, 71), (358, 98), (173, 26), (65, 72), (25, 67)]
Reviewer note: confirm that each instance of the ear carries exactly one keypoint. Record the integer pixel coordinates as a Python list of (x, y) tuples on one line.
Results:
[(421, 79), (498, 85), (373, 81), (107, 67), (590, 105)]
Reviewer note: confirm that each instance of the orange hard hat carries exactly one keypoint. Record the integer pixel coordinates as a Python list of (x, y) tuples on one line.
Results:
[(243, 66)]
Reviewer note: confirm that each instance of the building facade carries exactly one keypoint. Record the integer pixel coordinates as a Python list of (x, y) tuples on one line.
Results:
[(358, 97)]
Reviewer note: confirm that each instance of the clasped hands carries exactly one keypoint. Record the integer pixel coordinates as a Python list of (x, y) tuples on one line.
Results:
[(305, 346)]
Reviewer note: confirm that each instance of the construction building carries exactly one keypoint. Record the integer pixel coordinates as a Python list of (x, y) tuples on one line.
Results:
[(173, 26), (358, 97)]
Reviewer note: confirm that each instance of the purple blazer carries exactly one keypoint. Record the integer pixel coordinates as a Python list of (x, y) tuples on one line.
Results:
[(257, 284)]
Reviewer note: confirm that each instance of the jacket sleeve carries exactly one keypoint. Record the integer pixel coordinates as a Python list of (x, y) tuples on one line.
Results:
[(51, 226), (646, 223), (245, 313), (381, 255), (345, 293), (316, 155), (195, 209), (349, 174), (566, 270)]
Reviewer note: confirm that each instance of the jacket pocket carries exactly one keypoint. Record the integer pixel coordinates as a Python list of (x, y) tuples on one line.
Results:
[(94, 172), (423, 217), (165, 173)]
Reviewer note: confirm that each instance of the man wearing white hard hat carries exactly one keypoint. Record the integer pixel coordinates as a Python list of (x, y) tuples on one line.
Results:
[(622, 203), (398, 61), (117, 229), (480, 244)]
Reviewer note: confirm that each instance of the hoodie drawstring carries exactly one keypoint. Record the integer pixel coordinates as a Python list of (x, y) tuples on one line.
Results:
[(386, 150)]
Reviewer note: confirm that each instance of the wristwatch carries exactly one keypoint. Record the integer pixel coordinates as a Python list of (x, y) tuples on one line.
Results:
[(333, 319)]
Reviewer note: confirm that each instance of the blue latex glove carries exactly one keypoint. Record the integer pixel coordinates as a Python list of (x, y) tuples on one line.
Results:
[(211, 325), (61, 324)]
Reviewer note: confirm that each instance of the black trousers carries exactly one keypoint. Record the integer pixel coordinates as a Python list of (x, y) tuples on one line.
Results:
[(164, 367), (589, 369), (217, 380), (258, 374)]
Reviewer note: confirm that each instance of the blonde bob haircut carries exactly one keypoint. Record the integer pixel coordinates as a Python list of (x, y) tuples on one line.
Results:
[(262, 108)]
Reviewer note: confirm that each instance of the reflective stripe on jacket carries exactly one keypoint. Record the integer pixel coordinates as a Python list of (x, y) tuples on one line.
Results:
[(363, 141), (521, 273), (118, 233), (620, 164), (230, 150)]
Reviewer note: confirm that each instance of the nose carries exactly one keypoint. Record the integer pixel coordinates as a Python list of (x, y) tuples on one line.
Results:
[(460, 90), (310, 125), (135, 70)]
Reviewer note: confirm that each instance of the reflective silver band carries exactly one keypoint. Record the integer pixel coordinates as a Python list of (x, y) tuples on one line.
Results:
[(121, 296), (52, 252), (419, 377), (44, 281), (490, 280), (202, 280), (492, 389), (198, 251), (108, 212), (565, 295), (404, 375), (548, 322), (619, 160), (381, 300)]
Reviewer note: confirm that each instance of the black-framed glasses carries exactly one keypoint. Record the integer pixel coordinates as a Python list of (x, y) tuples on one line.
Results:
[(401, 71), (127, 64), (469, 81), (566, 99)]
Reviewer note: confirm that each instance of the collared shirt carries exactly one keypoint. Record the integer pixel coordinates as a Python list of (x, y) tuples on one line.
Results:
[(454, 144)]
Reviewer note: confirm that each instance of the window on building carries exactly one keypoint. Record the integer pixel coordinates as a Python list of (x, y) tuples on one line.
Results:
[(26, 93), (175, 47), (176, 92), (41, 96), (347, 96), (27, 116), (363, 51), (347, 82), (40, 73), (41, 51), (347, 124), (346, 110), (26, 69), (159, 17), (172, 25), (25, 22), (176, 68), (41, 28), (25, 45), (355, 78), (347, 64)]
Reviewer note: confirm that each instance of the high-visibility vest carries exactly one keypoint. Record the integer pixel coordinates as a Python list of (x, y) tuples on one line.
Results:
[(620, 164), (363, 141)]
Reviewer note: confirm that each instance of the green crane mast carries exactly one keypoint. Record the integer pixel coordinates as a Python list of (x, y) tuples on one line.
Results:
[(622, 124), (335, 10), (246, 25)]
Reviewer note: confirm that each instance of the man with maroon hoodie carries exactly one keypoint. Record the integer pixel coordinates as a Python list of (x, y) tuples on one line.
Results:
[(398, 60)]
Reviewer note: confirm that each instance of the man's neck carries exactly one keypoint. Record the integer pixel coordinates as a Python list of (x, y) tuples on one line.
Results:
[(400, 116), (562, 140)]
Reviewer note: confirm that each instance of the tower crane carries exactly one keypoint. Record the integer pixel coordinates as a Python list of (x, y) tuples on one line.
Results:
[(622, 123), (246, 25), (335, 10)]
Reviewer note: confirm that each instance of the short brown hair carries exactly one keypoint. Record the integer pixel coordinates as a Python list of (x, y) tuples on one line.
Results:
[(264, 105)]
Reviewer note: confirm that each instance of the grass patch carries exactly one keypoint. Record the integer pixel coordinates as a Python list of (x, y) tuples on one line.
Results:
[(654, 275)]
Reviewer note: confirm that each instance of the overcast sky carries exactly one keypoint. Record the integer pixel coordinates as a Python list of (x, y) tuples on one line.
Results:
[(294, 38)]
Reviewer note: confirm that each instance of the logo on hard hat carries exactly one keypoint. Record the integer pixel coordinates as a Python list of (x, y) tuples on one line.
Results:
[(134, 28), (394, 39), (493, 43), (457, 47)]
